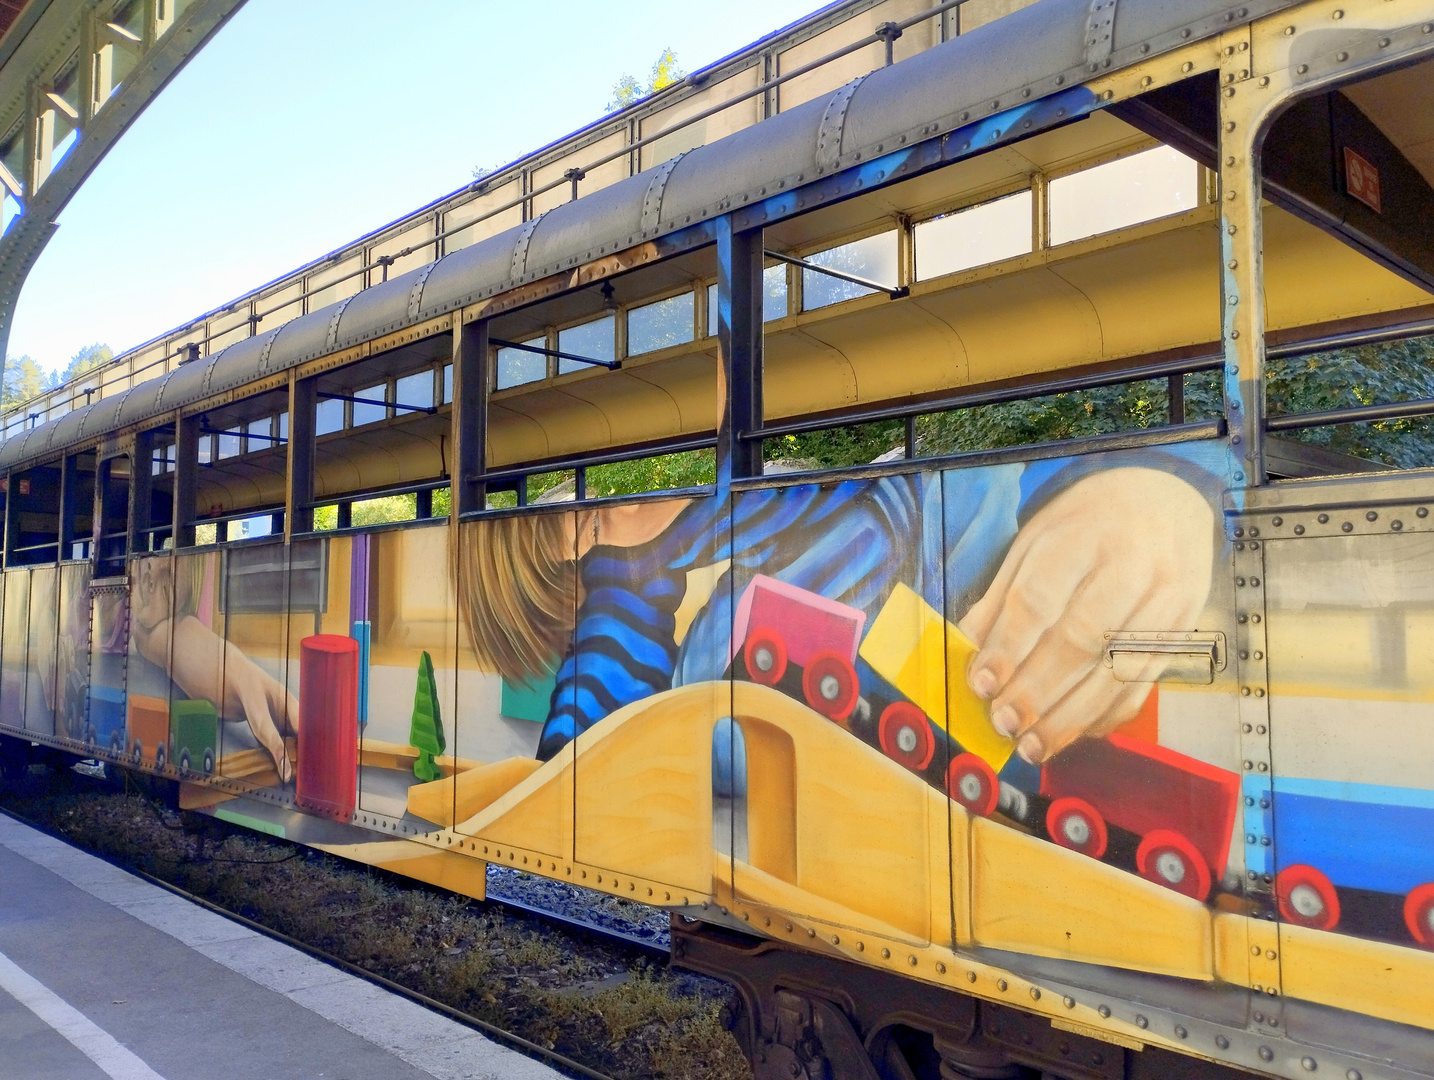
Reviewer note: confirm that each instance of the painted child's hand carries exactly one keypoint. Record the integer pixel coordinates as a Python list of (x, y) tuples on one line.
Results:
[(266, 706), (1126, 549)]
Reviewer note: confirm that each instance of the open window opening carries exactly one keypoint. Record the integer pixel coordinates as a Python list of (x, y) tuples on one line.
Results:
[(1060, 288), (1349, 278), (381, 450)]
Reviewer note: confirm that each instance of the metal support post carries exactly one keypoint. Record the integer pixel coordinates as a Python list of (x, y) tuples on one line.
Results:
[(423, 504), (344, 515), (1242, 105), (469, 420), (299, 496), (12, 519), (186, 479), (739, 347), (141, 494), (69, 503), (1175, 385)]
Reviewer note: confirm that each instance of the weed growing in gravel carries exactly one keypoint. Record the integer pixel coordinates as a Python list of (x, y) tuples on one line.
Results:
[(607, 1006)]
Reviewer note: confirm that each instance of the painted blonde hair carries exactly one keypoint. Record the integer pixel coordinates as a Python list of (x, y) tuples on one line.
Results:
[(518, 589)]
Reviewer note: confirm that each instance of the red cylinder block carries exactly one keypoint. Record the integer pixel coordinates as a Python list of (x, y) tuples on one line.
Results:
[(328, 725)]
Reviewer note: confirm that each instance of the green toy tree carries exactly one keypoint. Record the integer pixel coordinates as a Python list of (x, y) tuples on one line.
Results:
[(425, 729)]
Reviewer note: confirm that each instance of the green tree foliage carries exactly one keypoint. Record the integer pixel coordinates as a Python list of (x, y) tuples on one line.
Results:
[(23, 380), (628, 90), (425, 729), (87, 359), (1367, 375)]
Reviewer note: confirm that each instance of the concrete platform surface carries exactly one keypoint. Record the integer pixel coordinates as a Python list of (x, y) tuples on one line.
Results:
[(103, 975)]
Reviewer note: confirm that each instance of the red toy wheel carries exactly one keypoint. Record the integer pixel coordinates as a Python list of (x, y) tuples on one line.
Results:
[(1306, 897), (829, 684), (1419, 914), (905, 735), (766, 656), (1076, 824), (971, 782), (1169, 859)]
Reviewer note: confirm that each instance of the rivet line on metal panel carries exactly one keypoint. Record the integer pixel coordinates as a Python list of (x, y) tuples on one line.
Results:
[(1099, 33), (520, 246), (163, 385), (209, 373), (415, 294), (331, 337), (652, 201), (264, 350), (833, 125)]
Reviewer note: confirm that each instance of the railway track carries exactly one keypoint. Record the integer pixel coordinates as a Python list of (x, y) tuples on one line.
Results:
[(552, 1057)]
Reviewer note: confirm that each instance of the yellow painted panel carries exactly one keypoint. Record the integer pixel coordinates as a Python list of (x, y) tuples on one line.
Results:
[(471, 210), (462, 874), (977, 13), (644, 788), (1394, 982), (464, 794), (1311, 277), (742, 114), (797, 365), (865, 337), (600, 177), (829, 76), (1031, 896), (843, 851), (536, 814)]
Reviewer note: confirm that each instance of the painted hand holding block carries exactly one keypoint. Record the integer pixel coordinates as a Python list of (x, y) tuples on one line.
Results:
[(328, 725), (912, 647)]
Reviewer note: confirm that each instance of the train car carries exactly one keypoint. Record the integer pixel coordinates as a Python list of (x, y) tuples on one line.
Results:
[(961, 533)]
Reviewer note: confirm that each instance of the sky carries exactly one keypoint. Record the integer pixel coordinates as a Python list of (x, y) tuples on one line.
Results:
[(306, 123)]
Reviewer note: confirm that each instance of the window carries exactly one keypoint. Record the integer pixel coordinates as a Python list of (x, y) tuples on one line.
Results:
[(284, 426), (518, 366), (163, 460), (415, 389), (206, 449), (447, 383), (261, 434), (250, 527), (1141, 187), (873, 258), (660, 325), (976, 236), (328, 416), (370, 414), (230, 444), (774, 297), (596, 339)]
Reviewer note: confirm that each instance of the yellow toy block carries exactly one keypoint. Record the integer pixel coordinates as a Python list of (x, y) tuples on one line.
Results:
[(925, 657)]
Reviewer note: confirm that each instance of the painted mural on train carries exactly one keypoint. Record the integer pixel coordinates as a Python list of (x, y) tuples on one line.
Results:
[(938, 704)]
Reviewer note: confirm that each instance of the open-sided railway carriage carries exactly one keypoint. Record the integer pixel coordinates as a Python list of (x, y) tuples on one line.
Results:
[(1088, 736)]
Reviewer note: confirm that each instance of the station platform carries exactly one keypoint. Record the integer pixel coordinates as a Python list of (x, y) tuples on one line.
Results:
[(104, 975)]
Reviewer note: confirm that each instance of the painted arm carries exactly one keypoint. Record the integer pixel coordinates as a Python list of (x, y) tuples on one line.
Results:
[(202, 661)]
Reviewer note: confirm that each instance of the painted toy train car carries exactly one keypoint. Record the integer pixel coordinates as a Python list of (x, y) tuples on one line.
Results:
[(1147, 808)]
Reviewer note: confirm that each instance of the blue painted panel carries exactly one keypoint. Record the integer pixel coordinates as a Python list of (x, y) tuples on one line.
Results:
[(1387, 848)]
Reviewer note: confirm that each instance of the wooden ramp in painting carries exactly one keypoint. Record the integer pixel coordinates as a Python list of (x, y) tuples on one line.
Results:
[(848, 842)]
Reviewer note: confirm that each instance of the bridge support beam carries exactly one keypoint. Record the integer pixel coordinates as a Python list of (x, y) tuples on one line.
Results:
[(469, 419), (299, 494), (186, 479)]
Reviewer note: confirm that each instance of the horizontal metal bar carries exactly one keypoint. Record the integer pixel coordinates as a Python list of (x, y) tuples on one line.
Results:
[(611, 365), (435, 484), (588, 461), (206, 430), (1089, 444), (1350, 340), (1356, 414), (896, 292), (988, 397), (429, 409)]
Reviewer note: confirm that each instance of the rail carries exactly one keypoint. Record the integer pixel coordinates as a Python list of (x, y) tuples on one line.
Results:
[(886, 34)]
